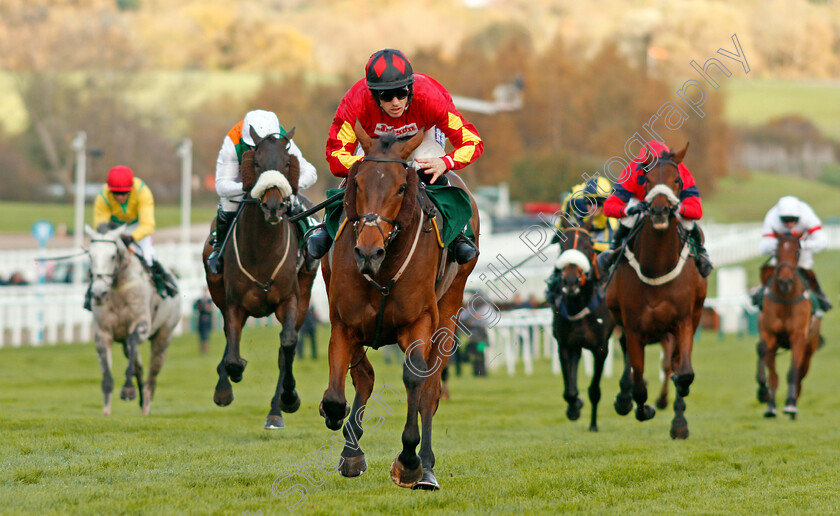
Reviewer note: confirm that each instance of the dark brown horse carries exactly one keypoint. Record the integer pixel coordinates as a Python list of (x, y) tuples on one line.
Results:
[(785, 322), (261, 274), (581, 318), (384, 286), (657, 294)]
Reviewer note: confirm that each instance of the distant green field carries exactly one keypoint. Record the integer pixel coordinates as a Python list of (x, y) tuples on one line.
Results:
[(744, 199), (17, 217), (755, 101)]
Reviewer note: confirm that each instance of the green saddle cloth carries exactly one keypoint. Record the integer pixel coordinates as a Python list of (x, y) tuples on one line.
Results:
[(452, 202)]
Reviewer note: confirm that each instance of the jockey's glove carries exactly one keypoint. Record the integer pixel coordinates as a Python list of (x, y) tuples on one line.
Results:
[(127, 239), (636, 208), (556, 238)]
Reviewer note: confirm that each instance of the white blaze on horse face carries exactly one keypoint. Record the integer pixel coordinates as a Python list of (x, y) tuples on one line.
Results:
[(573, 257), (271, 179)]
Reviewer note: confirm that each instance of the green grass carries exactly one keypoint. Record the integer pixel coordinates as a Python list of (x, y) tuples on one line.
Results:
[(503, 444), (748, 197), (756, 101), (18, 217)]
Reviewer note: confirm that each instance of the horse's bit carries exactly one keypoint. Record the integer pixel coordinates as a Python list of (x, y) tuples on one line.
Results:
[(374, 219), (118, 267)]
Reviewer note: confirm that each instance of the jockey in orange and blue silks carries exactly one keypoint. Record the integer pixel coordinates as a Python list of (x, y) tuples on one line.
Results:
[(394, 100), (627, 202)]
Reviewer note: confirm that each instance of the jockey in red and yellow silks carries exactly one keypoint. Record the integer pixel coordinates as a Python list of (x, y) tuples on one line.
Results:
[(431, 106), (631, 191)]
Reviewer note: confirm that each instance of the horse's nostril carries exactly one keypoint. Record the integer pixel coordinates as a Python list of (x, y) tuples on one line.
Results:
[(358, 253), (379, 254)]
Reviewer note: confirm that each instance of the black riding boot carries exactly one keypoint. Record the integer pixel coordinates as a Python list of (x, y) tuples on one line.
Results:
[(701, 257), (463, 249), (165, 282), (318, 244), (214, 259), (88, 299), (551, 284), (608, 257), (822, 299)]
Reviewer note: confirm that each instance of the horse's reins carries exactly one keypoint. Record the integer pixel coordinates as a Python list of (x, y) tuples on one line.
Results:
[(119, 267), (803, 296), (372, 219)]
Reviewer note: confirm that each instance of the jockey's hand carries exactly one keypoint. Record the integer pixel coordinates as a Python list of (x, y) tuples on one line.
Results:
[(556, 238), (636, 208), (434, 166), (127, 239)]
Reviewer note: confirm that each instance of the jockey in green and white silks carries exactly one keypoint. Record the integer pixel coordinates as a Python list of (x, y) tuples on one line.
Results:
[(229, 182)]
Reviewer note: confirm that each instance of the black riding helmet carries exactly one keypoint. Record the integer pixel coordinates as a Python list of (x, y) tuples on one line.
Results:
[(389, 69)]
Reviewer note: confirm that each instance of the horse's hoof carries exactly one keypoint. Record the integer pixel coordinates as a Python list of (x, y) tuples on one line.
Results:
[(273, 422), (106, 411), (623, 406), (223, 397), (679, 428), (573, 411), (790, 410), (128, 393), (405, 477), (235, 369), (662, 402), (771, 412), (290, 407), (645, 412), (352, 467), (763, 394), (332, 424), (593, 428), (427, 482)]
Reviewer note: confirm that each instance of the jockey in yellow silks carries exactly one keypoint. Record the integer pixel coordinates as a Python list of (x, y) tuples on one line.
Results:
[(127, 200), (585, 204)]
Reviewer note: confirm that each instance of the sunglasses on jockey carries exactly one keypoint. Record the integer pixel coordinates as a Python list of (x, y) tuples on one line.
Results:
[(388, 95), (789, 219)]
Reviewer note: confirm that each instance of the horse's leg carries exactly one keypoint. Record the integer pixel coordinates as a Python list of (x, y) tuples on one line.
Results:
[(130, 347), (353, 461), (599, 355), (636, 354), (407, 469), (160, 343), (569, 358), (770, 364), (223, 394), (761, 373), (285, 398), (305, 280), (668, 357), (334, 407), (234, 364), (683, 372), (810, 348), (797, 356), (624, 401), (103, 351)]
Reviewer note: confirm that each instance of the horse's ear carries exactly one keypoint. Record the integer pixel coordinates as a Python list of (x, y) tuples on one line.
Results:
[(409, 146), (90, 232), (254, 135), (290, 134), (115, 233), (678, 157), (247, 172), (364, 140)]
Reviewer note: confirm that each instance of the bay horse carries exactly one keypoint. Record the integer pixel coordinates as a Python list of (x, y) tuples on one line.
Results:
[(785, 322), (657, 293), (261, 274), (382, 288), (127, 308), (581, 319)]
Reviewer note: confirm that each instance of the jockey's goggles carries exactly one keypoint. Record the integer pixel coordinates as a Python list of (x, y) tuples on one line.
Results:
[(388, 95), (788, 219)]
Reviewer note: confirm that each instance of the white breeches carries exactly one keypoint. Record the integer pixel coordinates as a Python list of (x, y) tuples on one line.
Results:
[(143, 248)]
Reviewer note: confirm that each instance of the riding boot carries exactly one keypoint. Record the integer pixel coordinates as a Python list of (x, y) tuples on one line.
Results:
[(214, 259), (463, 249), (608, 257), (318, 244), (701, 257), (757, 296), (88, 299), (822, 299), (551, 284), (165, 282)]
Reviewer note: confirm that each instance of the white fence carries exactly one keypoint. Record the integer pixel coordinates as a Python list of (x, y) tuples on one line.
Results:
[(52, 313)]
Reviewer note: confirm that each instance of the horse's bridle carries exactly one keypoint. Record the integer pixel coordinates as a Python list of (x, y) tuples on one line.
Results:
[(594, 268), (118, 266), (374, 219), (287, 202), (665, 159)]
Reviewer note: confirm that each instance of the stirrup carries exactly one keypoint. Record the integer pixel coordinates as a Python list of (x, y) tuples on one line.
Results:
[(214, 262)]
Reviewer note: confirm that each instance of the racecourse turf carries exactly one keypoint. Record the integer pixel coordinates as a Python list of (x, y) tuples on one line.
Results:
[(503, 443)]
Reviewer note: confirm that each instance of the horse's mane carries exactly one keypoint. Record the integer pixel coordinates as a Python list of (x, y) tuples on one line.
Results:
[(249, 175), (409, 204)]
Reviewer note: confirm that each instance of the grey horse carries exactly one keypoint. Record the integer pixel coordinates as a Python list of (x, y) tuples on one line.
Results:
[(127, 309)]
